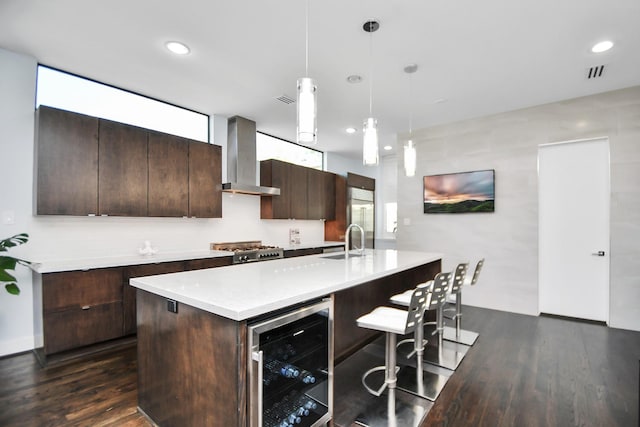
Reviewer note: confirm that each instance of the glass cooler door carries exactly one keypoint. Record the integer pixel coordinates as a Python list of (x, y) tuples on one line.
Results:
[(291, 368)]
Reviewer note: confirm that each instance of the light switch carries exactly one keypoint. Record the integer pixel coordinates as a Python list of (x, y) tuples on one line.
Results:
[(8, 217)]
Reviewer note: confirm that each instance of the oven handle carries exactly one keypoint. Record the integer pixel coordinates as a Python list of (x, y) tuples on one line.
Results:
[(258, 357)]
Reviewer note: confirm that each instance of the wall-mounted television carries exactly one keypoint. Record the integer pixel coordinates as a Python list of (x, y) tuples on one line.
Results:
[(462, 192)]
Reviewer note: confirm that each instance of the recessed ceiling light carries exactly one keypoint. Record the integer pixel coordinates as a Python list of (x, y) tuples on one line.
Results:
[(354, 78), (351, 130), (387, 147), (178, 48), (602, 46)]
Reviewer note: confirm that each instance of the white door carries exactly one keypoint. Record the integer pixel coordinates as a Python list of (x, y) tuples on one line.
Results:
[(573, 234)]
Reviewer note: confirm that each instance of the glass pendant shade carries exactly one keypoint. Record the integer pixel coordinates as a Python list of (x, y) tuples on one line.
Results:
[(409, 159), (370, 142), (307, 105)]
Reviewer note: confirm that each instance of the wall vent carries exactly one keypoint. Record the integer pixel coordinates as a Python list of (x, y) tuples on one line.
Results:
[(285, 99), (595, 72)]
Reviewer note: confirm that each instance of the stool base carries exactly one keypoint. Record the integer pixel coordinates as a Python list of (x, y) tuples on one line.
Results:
[(394, 413), (465, 337), (444, 357), (421, 383)]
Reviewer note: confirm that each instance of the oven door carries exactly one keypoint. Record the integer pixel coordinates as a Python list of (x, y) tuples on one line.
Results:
[(290, 368)]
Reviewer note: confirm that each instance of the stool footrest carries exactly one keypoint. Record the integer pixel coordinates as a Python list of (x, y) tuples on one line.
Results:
[(414, 351), (384, 385)]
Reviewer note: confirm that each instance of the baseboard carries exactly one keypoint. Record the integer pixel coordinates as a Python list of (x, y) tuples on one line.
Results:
[(14, 346), (574, 319)]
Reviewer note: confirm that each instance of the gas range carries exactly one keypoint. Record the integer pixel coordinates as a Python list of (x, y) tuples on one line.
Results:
[(249, 251)]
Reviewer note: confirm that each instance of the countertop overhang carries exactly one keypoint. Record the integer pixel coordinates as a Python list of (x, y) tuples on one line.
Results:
[(241, 292)]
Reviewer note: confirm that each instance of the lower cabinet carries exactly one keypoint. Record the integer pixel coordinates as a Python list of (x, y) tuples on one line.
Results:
[(82, 308)]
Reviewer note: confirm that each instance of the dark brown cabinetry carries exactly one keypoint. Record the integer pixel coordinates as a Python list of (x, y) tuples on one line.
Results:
[(334, 229), (205, 180), (81, 308), (305, 193), (298, 192), (66, 163), (90, 166), (168, 175), (321, 190), (129, 292), (123, 170), (274, 173)]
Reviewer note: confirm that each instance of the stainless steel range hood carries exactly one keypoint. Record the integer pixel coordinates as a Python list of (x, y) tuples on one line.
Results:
[(241, 159)]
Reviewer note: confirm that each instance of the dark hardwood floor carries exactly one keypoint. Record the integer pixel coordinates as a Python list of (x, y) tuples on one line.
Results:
[(522, 371), (541, 371)]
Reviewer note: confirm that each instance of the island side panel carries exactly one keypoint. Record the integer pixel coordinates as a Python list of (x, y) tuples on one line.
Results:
[(352, 303), (191, 365)]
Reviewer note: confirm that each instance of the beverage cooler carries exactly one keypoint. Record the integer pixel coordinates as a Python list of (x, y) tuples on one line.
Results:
[(290, 368)]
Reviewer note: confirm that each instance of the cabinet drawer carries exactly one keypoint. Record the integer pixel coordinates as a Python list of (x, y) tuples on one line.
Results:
[(68, 329), (76, 289)]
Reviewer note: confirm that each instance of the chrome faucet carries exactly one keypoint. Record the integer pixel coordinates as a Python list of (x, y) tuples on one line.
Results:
[(347, 238)]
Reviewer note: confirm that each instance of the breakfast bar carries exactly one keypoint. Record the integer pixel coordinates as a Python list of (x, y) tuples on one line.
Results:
[(193, 326)]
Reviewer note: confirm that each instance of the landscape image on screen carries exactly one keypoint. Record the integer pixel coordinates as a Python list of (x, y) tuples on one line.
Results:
[(460, 192)]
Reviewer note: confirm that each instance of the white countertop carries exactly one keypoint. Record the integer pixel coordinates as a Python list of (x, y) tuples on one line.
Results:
[(53, 265), (240, 292)]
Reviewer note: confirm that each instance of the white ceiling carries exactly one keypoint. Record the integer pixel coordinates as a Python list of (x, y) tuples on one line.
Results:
[(481, 57)]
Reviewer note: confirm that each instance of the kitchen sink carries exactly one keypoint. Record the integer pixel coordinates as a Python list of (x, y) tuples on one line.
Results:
[(342, 256)]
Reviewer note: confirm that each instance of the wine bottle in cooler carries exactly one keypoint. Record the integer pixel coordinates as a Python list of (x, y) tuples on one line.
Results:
[(284, 369)]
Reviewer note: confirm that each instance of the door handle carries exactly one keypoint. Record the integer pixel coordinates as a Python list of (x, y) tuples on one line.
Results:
[(599, 253)]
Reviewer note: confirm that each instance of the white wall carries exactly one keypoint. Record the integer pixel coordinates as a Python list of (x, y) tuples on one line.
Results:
[(17, 99), (508, 238), (53, 237)]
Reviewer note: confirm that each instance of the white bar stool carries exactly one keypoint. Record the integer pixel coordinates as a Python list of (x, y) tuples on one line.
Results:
[(393, 322), (416, 380), (446, 357), (457, 334)]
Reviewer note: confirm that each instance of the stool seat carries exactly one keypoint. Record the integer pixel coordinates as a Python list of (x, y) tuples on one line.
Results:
[(405, 298), (386, 319)]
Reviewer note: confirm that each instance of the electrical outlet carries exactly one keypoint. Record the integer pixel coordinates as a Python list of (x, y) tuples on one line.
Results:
[(172, 305), (8, 217)]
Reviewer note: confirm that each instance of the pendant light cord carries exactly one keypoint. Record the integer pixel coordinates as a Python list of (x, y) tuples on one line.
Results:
[(371, 72), (306, 39), (410, 106)]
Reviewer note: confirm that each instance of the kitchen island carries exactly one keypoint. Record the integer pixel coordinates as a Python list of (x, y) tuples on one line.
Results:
[(192, 326)]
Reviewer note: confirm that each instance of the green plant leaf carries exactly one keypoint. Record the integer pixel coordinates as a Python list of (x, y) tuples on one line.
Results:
[(6, 277), (7, 263), (16, 240), (12, 288)]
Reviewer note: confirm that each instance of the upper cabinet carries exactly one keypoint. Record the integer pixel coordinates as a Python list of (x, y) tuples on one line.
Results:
[(66, 163), (90, 166), (205, 186), (305, 193), (168, 175), (123, 171)]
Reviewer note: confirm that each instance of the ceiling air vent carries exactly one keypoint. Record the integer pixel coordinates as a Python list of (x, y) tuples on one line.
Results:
[(285, 99), (595, 72)]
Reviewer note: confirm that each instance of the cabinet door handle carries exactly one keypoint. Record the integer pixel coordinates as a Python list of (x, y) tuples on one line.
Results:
[(86, 307)]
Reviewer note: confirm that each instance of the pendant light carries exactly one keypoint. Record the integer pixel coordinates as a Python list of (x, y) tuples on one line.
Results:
[(410, 148), (307, 129), (370, 131)]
